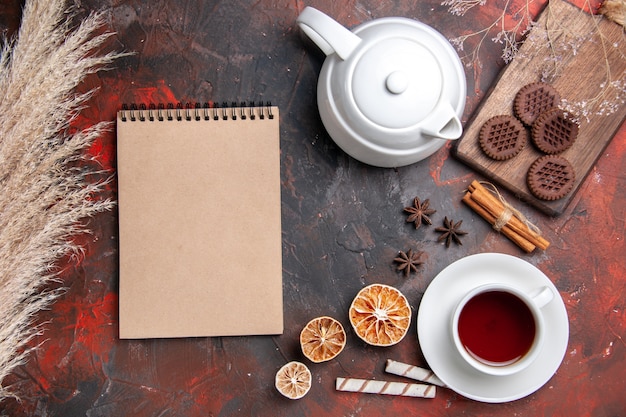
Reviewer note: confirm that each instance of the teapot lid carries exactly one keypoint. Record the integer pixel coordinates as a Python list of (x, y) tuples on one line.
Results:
[(396, 76), (396, 83)]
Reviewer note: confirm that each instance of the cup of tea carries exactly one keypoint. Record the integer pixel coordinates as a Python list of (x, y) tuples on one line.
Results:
[(499, 329)]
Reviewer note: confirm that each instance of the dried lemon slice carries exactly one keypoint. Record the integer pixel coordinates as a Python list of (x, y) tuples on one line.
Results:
[(380, 315), (322, 339), (293, 380)]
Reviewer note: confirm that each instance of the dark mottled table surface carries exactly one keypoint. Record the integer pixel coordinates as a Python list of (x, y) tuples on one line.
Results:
[(342, 226)]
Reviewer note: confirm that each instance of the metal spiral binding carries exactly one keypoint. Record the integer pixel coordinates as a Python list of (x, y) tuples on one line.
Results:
[(196, 111)]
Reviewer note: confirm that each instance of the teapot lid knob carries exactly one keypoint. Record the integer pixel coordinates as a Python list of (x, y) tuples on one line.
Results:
[(397, 82)]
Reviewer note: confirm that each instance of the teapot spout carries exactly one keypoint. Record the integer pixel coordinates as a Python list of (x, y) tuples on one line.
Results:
[(327, 33), (443, 123)]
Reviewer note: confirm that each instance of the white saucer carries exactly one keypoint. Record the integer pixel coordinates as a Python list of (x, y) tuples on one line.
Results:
[(435, 338)]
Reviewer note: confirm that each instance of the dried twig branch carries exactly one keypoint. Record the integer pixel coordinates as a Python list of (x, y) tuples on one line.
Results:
[(561, 42)]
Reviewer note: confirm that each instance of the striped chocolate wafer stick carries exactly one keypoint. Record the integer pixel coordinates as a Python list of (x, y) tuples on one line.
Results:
[(413, 372), (385, 387)]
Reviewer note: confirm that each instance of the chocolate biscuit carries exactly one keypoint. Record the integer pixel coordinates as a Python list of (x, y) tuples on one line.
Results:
[(553, 132), (550, 177), (534, 99), (502, 137)]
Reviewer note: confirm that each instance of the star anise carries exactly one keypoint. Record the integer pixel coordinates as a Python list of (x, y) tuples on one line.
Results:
[(451, 232), (408, 261), (419, 212)]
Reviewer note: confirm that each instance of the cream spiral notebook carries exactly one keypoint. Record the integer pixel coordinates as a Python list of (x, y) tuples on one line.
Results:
[(199, 221)]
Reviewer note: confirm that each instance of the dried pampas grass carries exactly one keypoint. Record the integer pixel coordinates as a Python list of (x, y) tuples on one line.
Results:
[(46, 189), (615, 10)]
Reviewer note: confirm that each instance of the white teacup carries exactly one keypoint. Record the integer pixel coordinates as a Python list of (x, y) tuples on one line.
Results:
[(499, 329)]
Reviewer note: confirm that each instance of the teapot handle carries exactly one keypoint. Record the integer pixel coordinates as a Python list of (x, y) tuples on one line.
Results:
[(327, 33), (443, 123)]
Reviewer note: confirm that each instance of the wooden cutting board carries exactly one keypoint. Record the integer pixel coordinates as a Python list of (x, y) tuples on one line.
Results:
[(579, 77)]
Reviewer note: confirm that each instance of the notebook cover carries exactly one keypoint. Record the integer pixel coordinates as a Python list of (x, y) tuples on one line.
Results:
[(199, 227)]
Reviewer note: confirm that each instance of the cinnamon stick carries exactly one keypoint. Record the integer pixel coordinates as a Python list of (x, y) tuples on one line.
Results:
[(506, 230), (493, 210), (495, 207)]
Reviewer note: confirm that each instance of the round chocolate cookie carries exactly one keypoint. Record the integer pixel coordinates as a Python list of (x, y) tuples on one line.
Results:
[(553, 132), (502, 137), (534, 99), (550, 177)]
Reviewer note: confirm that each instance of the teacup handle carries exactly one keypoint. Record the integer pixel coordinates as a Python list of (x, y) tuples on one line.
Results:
[(542, 296), (443, 123), (327, 33)]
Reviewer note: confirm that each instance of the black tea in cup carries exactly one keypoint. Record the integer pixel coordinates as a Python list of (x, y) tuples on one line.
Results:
[(496, 327)]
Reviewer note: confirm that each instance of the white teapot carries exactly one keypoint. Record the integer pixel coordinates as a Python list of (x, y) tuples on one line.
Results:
[(391, 92)]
